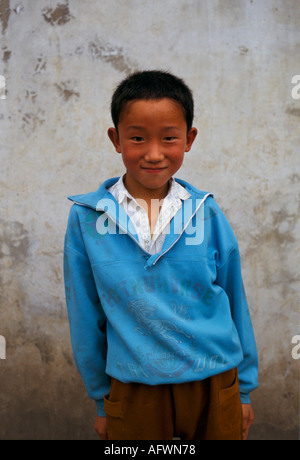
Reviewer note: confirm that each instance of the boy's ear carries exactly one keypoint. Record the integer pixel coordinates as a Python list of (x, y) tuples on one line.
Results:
[(114, 137), (192, 134)]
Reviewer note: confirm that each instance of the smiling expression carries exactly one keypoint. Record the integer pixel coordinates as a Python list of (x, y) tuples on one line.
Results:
[(152, 138)]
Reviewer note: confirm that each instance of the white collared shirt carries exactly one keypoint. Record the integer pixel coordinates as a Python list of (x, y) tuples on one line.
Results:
[(139, 217)]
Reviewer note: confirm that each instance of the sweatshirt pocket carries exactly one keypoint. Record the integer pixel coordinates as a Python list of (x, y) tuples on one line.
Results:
[(225, 394), (113, 408), (230, 407)]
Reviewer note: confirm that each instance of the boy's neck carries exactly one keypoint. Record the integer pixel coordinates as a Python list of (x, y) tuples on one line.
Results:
[(142, 193), (150, 199)]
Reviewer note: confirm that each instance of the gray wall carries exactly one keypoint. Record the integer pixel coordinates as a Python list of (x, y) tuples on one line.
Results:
[(61, 63)]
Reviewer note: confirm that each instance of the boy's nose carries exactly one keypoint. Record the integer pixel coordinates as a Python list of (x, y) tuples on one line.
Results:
[(154, 154)]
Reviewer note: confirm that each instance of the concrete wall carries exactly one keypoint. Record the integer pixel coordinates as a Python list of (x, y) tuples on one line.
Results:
[(61, 62)]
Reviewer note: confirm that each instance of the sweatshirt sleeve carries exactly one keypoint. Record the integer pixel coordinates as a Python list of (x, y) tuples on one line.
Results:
[(86, 317), (229, 277)]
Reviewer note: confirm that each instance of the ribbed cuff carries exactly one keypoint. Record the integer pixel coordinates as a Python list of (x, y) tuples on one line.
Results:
[(100, 408), (245, 398)]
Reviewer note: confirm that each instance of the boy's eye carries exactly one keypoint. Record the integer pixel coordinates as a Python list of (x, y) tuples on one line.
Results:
[(137, 139), (170, 138)]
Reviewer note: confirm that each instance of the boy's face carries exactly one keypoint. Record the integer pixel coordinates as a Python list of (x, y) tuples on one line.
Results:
[(152, 138)]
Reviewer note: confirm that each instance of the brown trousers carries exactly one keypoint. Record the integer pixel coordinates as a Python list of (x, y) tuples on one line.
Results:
[(203, 410)]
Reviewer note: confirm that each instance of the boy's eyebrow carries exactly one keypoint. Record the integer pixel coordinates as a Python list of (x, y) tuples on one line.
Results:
[(135, 127)]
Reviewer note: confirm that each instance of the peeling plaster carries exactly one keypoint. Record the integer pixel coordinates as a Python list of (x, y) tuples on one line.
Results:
[(31, 95), (31, 120), (40, 66), (111, 54), (293, 111), (65, 91), (19, 8), (14, 239), (60, 15), (4, 14), (6, 55), (243, 49)]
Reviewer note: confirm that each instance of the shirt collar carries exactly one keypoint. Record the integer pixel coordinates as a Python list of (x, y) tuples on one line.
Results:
[(176, 191)]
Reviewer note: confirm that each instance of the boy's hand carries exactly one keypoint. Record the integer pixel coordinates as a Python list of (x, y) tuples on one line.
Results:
[(100, 427), (248, 417)]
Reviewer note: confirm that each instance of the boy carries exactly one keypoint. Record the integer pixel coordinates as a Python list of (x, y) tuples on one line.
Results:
[(160, 327)]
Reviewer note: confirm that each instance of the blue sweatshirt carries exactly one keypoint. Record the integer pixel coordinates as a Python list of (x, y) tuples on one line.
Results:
[(176, 316)]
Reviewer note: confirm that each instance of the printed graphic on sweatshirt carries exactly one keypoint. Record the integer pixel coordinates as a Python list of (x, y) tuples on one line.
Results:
[(145, 285), (150, 324), (168, 363), (168, 358), (160, 360)]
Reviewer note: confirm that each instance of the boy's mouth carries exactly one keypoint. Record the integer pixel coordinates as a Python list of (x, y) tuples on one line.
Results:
[(153, 170)]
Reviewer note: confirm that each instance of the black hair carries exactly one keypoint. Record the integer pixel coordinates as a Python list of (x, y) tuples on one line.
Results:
[(152, 84)]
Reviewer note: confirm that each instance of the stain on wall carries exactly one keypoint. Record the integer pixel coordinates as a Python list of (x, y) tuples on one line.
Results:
[(14, 241), (65, 91), (61, 61), (40, 66), (6, 54), (4, 14), (111, 54), (57, 16), (295, 111)]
